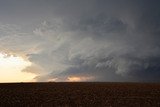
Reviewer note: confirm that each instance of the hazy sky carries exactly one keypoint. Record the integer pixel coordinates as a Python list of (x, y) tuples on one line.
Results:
[(83, 40)]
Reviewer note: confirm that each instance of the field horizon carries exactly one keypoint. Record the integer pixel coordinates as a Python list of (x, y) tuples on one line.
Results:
[(71, 94)]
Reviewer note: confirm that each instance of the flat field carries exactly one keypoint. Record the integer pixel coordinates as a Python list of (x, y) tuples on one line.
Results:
[(79, 94)]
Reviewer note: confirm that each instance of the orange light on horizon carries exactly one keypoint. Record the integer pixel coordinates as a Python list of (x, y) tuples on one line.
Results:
[(79, 78), (74, 79)]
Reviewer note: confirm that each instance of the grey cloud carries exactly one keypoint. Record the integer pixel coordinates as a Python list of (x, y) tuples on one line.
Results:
[(107, 40)]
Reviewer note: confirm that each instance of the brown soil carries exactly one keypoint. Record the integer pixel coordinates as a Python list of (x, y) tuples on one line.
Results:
[(79, 95)]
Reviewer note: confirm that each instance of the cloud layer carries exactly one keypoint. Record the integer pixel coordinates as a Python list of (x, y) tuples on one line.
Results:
[(91, 40)]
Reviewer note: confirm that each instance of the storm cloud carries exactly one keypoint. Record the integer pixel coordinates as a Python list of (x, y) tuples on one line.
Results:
[(95, 40)]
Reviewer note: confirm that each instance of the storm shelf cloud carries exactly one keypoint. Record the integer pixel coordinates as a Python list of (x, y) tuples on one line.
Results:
[(94, 40)]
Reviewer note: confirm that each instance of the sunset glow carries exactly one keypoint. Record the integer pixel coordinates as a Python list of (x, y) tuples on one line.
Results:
[(78, 79), (74, 79), (11, 67)]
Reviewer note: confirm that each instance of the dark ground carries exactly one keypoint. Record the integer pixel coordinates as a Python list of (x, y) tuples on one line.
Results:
[(79, 95)]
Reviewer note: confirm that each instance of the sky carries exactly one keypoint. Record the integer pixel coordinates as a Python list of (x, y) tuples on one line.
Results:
[(80, 40)]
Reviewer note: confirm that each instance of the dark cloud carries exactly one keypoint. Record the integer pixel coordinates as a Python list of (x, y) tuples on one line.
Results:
[(114, 41), (99, 40)]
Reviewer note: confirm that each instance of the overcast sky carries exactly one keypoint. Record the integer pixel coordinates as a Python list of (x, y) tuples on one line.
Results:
[(94, 40)]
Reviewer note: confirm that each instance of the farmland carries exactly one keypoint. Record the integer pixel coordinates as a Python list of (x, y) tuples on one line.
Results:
[(79, 94)]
